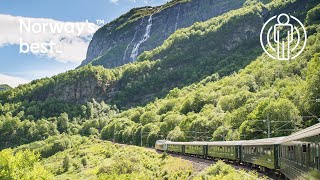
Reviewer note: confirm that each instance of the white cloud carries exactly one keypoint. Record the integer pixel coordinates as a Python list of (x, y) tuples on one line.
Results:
[(11, 80), (72, 39), (114, 1)]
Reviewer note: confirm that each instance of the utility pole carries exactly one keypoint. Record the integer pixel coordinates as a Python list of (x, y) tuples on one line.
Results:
[(114, 132), (268, 124), (141, 133)]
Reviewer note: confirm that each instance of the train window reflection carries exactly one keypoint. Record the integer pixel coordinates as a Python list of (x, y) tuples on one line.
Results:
[(304, 148)]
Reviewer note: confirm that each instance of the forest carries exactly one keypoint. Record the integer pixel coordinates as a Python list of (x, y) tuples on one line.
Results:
[(175, 92)]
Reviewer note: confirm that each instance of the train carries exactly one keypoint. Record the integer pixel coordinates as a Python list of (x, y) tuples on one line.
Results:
[(296, 156)]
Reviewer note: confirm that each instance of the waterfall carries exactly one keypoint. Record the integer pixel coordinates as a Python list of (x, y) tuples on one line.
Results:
[(145, 37), (125, 52), (133, 39), (177, 19)]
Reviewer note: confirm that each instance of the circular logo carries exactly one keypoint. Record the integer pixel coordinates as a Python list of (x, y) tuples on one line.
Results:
[(283, 37)]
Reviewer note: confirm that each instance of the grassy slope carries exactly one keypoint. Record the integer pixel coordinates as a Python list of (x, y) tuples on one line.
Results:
[(224, 105), (90, 158)]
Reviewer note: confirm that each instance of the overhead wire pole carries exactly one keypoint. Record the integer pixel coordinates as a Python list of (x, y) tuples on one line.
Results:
[(269, 126), (114, 132)]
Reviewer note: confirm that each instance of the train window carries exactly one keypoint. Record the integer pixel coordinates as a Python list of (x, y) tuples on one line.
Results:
[(269, 151), (304, 148)]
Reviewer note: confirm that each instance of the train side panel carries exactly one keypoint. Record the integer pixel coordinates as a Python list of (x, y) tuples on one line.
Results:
[(224, 152), (266, 155), (175, 148), (300, 158), (195, 149)]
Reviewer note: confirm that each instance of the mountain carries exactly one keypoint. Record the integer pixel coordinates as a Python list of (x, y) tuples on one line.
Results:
[(4, 87), (124, 39), (208, 81), (221, 45), (211, 76), (141, 82)]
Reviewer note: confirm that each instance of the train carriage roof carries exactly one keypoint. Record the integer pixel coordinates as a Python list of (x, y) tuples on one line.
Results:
[(225, 143), (175, 143), (194, 143), (261, 142), (161, 141), (308, 132)]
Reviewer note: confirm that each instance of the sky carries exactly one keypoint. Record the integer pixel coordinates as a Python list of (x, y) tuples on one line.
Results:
[(44, 38)]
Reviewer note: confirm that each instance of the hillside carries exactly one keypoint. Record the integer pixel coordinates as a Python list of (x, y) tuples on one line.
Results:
[(4, 87), (234, 106), (218, 80), (208, 81), (76, 157), (188, 56), (124, 39)]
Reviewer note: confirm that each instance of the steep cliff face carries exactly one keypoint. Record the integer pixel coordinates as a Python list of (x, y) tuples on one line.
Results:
[(124, 39), (80, 91)]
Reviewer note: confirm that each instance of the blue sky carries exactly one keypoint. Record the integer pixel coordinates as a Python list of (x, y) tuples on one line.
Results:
[(16, 68)]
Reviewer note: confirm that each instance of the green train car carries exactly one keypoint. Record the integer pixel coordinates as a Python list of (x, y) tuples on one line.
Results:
[(175, 147), (262, 152), (195, 148), (300, 154), (230, 150), (296, 156)]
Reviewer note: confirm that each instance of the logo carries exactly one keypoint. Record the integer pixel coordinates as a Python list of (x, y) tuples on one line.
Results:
[(281, 34)]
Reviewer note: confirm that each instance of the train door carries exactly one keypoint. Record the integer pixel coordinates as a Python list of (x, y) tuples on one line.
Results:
[(304, 155), (317, 156), (308, 155), (205, 150), (183, 149), (276, 156)]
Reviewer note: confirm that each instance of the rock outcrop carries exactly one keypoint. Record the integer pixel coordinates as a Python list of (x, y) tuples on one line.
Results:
[(141, 29)]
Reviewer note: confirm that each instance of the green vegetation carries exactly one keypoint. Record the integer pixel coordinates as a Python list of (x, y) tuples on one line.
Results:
[(137, 13), (4, 87), (23, 165), (231, 106), (213, 84), (220, 170), (88, 158)]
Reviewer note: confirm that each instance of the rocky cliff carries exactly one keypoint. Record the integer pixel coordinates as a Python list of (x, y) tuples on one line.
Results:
[(141, 29)]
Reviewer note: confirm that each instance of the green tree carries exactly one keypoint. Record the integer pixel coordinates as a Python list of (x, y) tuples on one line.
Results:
[(22, 165)]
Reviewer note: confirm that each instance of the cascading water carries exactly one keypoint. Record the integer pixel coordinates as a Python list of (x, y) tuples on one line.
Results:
[(177, 19), (133, 39), (145, 37)]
